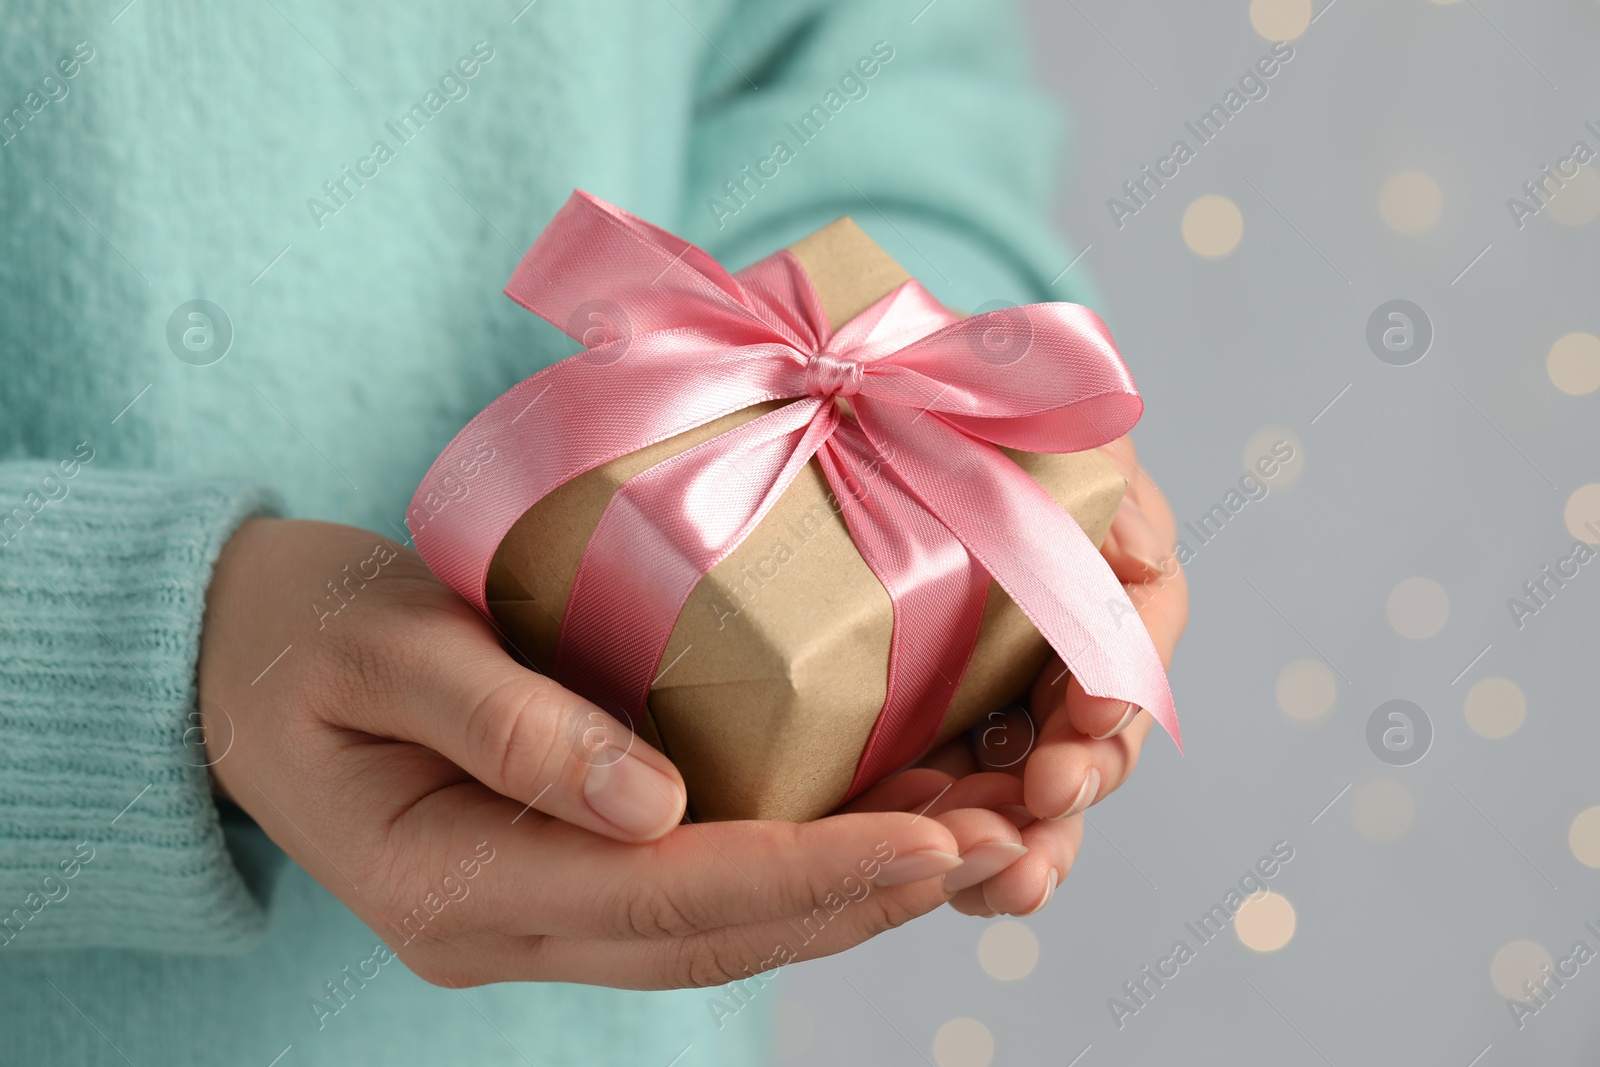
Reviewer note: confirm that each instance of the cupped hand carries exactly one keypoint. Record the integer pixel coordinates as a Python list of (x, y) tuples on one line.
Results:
[(1037, 769), (492, 826)]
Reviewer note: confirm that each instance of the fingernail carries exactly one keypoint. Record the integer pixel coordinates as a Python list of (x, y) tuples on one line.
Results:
[(982, 862), (1086, 794), (633, 796), (903, 870), (1049, 891), (1122, 724), (1019, 815), (1137, 537)]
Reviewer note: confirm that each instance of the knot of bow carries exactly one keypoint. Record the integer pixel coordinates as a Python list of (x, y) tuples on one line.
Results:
[(830, 375)]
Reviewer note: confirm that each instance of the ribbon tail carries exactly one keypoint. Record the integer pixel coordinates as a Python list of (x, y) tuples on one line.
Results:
[(1054, 574), (937, 591), (663, 530)]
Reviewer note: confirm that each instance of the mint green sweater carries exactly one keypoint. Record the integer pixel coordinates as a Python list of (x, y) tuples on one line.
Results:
[(351, 186)]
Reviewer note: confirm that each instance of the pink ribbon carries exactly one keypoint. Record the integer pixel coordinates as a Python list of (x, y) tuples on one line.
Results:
[(674, 341)]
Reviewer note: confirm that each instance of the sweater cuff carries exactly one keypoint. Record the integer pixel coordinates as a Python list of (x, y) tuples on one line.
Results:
[(109, 836)]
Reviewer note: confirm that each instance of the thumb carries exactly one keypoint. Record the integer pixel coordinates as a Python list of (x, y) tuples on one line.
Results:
[(528, 738)]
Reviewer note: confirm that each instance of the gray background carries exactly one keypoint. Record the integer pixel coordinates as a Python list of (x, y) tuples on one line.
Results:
[(1456, 469)]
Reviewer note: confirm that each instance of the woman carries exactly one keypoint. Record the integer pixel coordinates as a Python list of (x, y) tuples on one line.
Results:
[(253, 271)]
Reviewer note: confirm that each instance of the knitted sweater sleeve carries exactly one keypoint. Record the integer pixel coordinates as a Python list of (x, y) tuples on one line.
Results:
[(108, 833), (923, 127)]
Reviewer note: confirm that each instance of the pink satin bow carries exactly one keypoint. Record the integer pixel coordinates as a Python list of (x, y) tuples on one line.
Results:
[(674, 341)]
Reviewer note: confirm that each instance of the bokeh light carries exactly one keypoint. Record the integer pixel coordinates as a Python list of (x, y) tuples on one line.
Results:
[(1418, 608), (1582, 513), (1265, 923), (963, 1043), (1577, 203), (1411, 202), (1008, 950), (1584, 837), (1574, 364), (1212, 226), (1515, 963), (1495, 708), (1280, 448), (1280, 20), (1306, 690)]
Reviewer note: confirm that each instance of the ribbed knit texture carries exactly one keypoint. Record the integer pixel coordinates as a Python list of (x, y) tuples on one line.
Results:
[(103, 591), (184, 158)]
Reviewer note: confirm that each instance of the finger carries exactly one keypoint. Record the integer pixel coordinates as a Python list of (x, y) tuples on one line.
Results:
[(1163, 606), (988, 841), (528, 738), (1144, 492), (1069, 771), (1132, 548), (733, 954), (991, 790), (1027, 885), (1153, 502), (929, 793), (1055, 839), (551, 877), (1061, 696), (912, 790), (1003, 739), (954, 758), (1162, 599), (970, 902)]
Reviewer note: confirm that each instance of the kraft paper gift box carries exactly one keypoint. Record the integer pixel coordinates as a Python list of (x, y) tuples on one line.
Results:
[(776, 670)]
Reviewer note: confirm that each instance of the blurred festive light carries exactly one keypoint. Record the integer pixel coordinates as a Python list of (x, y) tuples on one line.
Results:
[(1495, 708), (963, 1043), (1411, 202), (1212, 226), (1574, 363), (1582, 513), (1577, 203), (1008, 950), (1265, 923), (1518, 962), (1275, 449), (1382, 809), (1280, 20), (1418, 608), (1306, 690), (1584, 837)]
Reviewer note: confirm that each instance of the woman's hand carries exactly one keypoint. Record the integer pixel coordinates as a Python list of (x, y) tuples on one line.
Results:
[(1039, 769), (490, 825)]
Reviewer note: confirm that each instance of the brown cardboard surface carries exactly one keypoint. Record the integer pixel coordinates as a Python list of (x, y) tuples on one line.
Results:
[(775, 672)]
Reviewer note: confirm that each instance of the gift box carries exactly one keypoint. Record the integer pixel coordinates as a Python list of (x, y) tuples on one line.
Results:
[(763, 667)]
